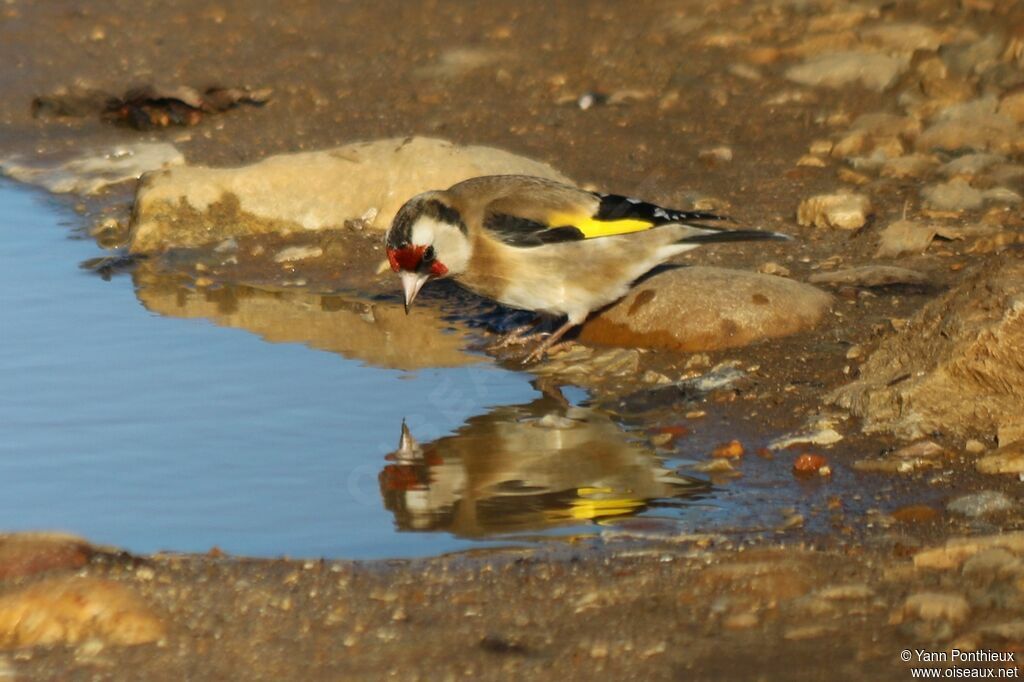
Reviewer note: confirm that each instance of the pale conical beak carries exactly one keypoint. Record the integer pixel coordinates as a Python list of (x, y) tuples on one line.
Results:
[(412, 282)]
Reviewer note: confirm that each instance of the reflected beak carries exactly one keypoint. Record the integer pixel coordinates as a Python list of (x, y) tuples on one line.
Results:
[(412, 282), (407, 444), (408, 449)]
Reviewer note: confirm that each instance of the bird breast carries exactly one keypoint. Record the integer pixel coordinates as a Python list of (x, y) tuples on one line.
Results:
[(570, 278)]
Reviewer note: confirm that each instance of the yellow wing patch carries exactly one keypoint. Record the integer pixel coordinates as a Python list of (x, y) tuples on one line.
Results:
[(592, 227)]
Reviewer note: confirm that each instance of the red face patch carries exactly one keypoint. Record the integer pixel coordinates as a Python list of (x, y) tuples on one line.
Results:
[(410, 259), (407, 258)]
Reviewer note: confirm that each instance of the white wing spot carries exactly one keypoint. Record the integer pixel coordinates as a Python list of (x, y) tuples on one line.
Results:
[(634, 201)]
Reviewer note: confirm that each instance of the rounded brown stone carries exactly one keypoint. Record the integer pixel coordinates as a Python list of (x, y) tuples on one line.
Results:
[(705, 308)]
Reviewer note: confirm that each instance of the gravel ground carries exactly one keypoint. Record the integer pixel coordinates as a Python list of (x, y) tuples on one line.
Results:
[(840, 594)]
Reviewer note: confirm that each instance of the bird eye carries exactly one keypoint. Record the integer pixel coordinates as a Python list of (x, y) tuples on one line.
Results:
[(428, 255)]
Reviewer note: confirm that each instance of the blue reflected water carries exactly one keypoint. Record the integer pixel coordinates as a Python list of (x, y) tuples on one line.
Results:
[(153, 433)]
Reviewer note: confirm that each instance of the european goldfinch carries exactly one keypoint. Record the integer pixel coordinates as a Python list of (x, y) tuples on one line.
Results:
[(540, 245)]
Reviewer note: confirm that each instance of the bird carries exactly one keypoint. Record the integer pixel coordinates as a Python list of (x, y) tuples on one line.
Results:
[(541, 245)]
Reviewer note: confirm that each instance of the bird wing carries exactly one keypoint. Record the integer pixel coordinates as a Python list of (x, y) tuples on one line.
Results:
[(533, 217)]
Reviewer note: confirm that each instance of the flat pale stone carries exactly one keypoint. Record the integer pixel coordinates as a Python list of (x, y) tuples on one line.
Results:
[(981, 132), (369, 181), (887, 125), (958, 550), (937, 606), (982, 503), (905, 36), (955, 195), (294, 253), (970, 165), (870, 276), (837, 69), (903, 237), (908, 166)]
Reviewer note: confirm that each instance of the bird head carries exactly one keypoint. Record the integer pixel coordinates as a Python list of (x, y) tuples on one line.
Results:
[(427, 240)]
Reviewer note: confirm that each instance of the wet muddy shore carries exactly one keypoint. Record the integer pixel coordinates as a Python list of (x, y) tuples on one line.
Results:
[(700, 606), (888, 521)]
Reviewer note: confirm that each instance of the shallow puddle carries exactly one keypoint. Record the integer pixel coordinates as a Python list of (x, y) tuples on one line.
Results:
[(134, 427), (152, 414)]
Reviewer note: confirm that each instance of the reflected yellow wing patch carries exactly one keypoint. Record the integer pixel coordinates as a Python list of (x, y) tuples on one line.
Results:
[(594, 503), (592, 227)]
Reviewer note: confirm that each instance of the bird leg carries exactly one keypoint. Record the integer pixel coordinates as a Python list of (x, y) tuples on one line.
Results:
[(516, 337), (545, 345)]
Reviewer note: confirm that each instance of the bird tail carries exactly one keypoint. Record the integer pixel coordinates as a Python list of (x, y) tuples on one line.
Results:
[(714, 236)]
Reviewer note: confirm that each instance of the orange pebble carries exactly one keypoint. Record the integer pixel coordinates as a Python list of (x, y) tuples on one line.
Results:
[(730, 450), (808, 463)]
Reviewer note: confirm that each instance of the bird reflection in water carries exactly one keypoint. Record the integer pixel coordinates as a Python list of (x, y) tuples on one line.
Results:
[(525, 467)]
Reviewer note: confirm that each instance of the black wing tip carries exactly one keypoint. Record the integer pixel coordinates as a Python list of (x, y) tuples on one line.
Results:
[(621, 207), (701, 215)]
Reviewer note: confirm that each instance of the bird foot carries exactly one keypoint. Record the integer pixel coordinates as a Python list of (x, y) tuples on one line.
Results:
[(547, 344), (519, 336), (545, 349)]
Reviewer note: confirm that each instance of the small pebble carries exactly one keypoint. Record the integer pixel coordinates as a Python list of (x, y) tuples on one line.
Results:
[(821, 146), (715, 466), (294, 253), (810, 463), (740, 621), (729, 450), (715, 155), (661, 439), (937, 606), (806, 632), (772, 268), (980, 504), (974, 447), (843, 211), (811, 161), (590, 99)]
